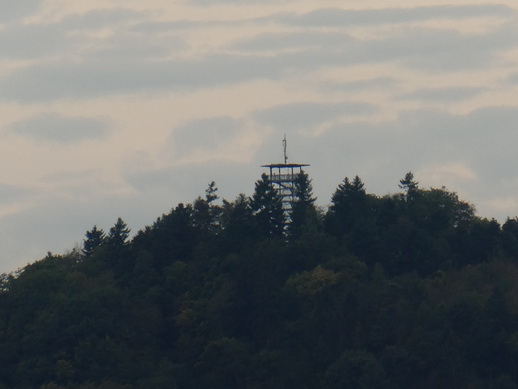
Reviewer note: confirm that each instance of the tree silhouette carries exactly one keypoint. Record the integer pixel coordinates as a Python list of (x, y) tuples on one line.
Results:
[(118, 234), (303, 212), (267, 208), (94, 238)]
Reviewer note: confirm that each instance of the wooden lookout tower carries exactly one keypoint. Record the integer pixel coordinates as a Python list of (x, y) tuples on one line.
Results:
[(283, 177)]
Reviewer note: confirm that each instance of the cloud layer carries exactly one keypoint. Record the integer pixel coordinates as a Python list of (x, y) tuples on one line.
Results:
[(55, 128)]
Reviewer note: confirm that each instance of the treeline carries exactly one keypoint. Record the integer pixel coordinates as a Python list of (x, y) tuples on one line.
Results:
[(408, 290)]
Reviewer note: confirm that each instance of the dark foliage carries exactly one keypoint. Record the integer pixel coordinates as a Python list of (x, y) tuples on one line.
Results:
[(411, 290)]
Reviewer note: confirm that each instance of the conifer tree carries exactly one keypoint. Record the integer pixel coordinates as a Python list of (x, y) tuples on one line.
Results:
[(347, 205), (303, 210), (267, 208), (118, 234), (206, 215), (348, 193), (94, 238), (410, 186), (211, 194), (236, 218)]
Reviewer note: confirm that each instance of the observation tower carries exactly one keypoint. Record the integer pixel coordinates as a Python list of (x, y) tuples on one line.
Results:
[(283, 177)]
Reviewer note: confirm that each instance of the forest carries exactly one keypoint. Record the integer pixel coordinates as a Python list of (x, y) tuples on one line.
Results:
[(406, 290)]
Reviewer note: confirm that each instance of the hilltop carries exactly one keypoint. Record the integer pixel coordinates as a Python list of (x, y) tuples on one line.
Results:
[(408, 290)]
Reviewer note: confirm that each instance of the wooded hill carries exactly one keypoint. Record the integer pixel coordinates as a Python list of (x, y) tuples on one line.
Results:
[(408, 290)]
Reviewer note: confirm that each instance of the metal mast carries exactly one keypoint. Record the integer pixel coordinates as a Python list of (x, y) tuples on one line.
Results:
[(285, 145)]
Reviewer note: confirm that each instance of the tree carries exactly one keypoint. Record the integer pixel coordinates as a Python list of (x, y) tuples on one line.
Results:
[(349, 196), (118, 234), (236, 219), (303, 211), (94, 238), (267, 208), (510, 237), (355, 369), (410, 186), (211, 193), (438, 210), (223, 364), (348, 206), (206, 215)]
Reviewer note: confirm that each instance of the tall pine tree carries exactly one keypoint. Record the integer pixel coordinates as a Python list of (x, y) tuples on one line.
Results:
[(118, 234), (267, 208), (350, 206), (94, 238), (303, 212)]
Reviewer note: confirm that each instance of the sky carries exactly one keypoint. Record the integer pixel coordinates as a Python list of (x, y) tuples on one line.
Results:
[(113, 108)]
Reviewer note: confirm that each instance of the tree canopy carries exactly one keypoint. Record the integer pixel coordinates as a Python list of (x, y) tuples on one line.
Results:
[(406, 290)]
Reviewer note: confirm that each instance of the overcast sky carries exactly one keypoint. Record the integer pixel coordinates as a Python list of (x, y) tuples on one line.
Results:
[(115, 108)]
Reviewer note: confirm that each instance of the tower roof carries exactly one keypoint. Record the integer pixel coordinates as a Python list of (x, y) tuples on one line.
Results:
[(287, 165)]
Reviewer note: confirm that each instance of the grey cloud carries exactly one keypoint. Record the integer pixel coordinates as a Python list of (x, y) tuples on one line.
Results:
[(168, 27), (234, 2), (307, 115), (91, 78), (162, 27), (377, 82), (419, 47), (491, 133), (100, 18), (32, 41), (295, 40), (204, 134), (128, 42), (436, 50), (435, 136), (334, 17), (130, 47), (14, 9), (484, 139), (101, 74), (9, 193), (338, 17), (184, 24), (448, 50), (55, 128), (66, 36), (188, 182), (444, 94)]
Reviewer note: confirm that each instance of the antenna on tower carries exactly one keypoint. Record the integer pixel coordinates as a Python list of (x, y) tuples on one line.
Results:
[(285, 145)]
